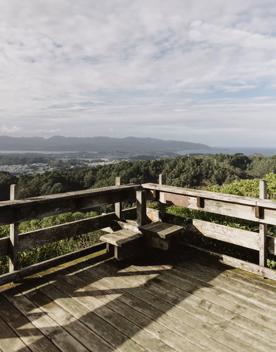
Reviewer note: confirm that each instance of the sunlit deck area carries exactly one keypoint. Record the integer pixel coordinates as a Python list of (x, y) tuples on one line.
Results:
[(184, 302)]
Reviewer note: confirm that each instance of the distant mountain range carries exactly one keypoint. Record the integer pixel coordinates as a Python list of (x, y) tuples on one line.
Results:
[(100, 145)]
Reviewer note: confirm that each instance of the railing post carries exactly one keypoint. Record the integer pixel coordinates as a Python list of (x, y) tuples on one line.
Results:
[(162, 200), (13, 255), (262, 228), (141, 207), (118, 206), (160, 179)]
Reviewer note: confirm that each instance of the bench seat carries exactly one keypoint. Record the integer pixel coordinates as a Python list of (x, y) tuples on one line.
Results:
[(118, 238), (161, 235)]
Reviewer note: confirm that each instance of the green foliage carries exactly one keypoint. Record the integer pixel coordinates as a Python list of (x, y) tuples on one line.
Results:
[(184, 171), (248, 188)]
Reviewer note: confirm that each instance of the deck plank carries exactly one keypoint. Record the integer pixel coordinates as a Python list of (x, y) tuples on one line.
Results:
[(168, 303), (9, 340), (196, 318), (151, 314), (168, 291), (72, 325), (102, 294), (198, 279), (89, 303), (29, 334), (48, 327)]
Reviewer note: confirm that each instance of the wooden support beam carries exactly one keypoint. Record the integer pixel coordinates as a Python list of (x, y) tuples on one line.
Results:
[(263, 228), (259, 212), (161, 200), (200, 202), (160, 179), (14, 231), (141, 207), (118, 205)]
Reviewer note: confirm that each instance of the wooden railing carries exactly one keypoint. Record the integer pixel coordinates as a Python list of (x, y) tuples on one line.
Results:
[(258, 210), (14, 211)]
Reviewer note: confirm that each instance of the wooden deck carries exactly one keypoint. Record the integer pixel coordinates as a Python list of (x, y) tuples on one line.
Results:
[(184, 303)]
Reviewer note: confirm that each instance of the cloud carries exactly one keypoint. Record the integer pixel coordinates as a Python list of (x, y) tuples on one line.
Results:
[(184, 68)]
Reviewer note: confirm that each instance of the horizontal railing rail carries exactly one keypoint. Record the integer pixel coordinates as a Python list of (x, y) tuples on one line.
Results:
[(252, 209), (20, 210), (260, 211), (41, 237), (14, 211)]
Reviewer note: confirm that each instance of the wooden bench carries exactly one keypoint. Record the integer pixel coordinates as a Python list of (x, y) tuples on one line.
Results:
[(125, 243), (161, 235)]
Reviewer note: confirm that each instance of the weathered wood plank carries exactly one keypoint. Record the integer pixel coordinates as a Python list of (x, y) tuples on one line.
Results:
[(207, 296), (167, 335), (48, 327), (246, 289), (263, 228), (204, 282), (177, 312), (239, 237), (29, 334), (227, 234), (218, 203), (118, 238), (14, 231), (223, 197), (37, 207), (141, 205), (4, 246), (239, 211), (74, 326), (41, 237), (98, 318), (161, 229), (180, 334), (235, 210), (175, 333), (35, 268), (55, 233), (171, 287), (238, 263), (9, 341), (271, 245), (118, 206)]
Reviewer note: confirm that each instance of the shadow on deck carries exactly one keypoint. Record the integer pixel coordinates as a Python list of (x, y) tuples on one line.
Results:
[(183, 302)]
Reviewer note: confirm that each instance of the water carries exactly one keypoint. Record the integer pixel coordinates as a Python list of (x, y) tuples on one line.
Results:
[(244, 150)]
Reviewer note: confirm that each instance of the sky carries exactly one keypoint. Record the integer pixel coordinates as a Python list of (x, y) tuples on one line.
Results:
[(194, 70)]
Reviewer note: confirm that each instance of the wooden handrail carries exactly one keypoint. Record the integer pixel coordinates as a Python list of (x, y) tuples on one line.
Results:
[(37, 207), (223, 197), (218, 203), (14, 211)]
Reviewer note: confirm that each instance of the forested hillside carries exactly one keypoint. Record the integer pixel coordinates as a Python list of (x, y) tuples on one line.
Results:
[(186, 171)]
